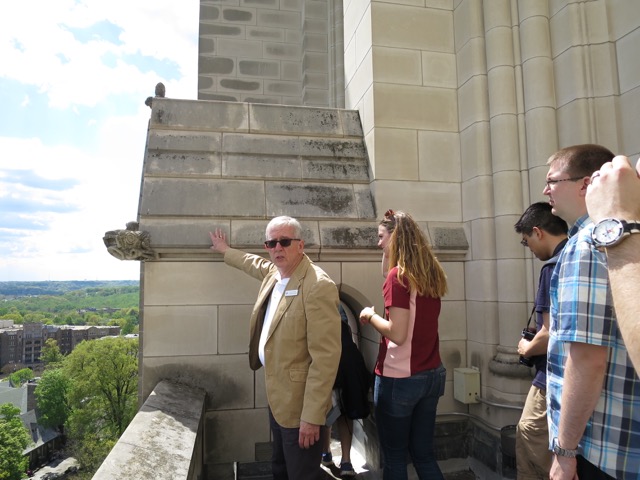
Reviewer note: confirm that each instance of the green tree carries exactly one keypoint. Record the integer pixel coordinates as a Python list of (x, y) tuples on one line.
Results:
[(51, 394), (103, 396), (50, 354), (21, 376), (14, 438)]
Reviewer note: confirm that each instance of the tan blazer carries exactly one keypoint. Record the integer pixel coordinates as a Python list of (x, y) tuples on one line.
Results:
[(303, 348)]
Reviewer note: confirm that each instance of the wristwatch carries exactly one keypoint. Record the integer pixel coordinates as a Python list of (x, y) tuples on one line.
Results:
[(563, 452), (611, 231)]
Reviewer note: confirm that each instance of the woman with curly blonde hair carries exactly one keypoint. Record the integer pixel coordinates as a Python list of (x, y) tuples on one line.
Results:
[(410, 377)]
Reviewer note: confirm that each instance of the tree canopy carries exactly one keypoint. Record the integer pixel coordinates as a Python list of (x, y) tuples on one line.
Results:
[(14, 438)]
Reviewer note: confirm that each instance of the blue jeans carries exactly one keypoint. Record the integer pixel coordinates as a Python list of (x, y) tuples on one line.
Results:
[(405, 410)]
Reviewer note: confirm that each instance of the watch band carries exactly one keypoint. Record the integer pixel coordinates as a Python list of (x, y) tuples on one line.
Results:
[(563, 452)]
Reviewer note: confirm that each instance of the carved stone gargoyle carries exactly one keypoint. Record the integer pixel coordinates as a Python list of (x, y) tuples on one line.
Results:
[(129, 244)]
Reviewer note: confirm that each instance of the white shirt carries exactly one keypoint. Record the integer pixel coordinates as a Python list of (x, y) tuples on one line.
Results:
[(274, 300)]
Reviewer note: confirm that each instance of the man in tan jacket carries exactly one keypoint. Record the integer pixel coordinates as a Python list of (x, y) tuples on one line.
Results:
[(295, 335)]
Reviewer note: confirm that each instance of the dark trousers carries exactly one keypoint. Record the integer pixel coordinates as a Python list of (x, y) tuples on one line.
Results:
[(588, 471), (289, 461)]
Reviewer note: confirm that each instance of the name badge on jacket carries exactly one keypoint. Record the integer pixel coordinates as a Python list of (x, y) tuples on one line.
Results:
[(291, 293)]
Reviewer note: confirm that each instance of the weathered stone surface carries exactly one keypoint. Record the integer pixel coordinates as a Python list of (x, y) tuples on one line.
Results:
[(208, 12), (243, 85), (199, 115), (183, 163), (260, 144), (216, 65), (282, 87), (333, 147), (259, 69), (263, 166), (281, 19), (293, 120), (448, 237), (185, 141), (349, 235), (282, 51), (224, 30), (310, 200), (342, 169), (237, 15)]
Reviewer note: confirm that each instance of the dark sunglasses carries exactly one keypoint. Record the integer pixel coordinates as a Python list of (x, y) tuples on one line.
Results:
[(285, 242)]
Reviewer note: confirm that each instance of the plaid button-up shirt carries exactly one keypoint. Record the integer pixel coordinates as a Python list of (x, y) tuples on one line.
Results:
[(582, 311)]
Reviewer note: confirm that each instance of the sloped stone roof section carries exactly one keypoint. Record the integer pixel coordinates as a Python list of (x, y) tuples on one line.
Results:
[(212, 164)]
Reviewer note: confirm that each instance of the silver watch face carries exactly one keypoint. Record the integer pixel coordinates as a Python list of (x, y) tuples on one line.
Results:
[(608, 232)]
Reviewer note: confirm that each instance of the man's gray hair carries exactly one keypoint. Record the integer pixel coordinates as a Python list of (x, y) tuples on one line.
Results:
[(285, 221)]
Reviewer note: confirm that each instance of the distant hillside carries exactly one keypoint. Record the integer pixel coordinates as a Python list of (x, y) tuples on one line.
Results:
[(22, 289)]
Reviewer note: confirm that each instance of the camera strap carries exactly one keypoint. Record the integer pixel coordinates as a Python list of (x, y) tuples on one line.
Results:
[(531, 316)]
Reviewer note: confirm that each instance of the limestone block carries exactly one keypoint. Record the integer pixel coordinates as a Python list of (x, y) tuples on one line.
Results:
[(570, 76), (482, 322), (502, 95), (249, 233), (364, 37), (351, 123), (245, 16), (455, 280), (188, 164), (181, 232), (220, 31), (471, 60), (275, 4), (350, 65), (176, 331), (511, 279), (447, 236), (477, 198), (537, 178), (574, 125), (309, 200), (483, 239), (206, 46), (439, 156), (315, 25), (397, 154), (182, 196), (315, 42), (340, 169), (265, 33), (479, 280), (315, 97), (293, 36), (629, 112), (622, 18), (535, 40), (281, 51), (507, 240), (184, 141), (427, 201), (540, 145), (362, 79), (231, 47), (216, 66), (397, 65), (208, 13), (279, 19), (262, 166), (316, 80), (439, 70), (232, 435), (281, 87), (628, 68), (508, 193), (353, 15), (348, 235), (475, 150), (412, 27), (473, 102), (263, 144), (424, 108), (294, 120), (453, 355), (233, 329), (199, 115), (364, 201), (329, 147), (467, 22), (255, 87), (453, 321), (291, 70), (197, 283), (499, 49), (256, 68), (513, 318), (538, 86), (315, 62)]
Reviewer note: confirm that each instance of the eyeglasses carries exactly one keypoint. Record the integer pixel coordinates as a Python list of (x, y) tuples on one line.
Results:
[(550, 183), (285, 242)]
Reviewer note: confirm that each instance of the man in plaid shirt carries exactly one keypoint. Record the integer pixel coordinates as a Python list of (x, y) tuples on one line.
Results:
[(593, 392)]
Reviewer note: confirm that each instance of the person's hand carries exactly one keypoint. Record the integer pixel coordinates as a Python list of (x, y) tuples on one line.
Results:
[(366, 314), (614, 191), (218, 241), (309, 434), (563, 468), (523, 345)]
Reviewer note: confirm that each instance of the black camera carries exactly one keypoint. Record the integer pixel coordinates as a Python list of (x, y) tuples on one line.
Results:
[(527, 334)]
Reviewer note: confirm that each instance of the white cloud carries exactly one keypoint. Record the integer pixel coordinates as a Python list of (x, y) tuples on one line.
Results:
[(58, 197)]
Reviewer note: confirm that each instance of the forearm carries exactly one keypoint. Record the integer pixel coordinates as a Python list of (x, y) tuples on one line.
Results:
[(538, 346), (253, 265), (582, 386), (624, 275)]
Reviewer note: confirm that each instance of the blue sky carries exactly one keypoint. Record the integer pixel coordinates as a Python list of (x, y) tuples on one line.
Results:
[(73, 79)]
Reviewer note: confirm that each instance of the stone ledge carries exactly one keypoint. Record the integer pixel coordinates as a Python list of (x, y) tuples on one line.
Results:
[(162, 441)]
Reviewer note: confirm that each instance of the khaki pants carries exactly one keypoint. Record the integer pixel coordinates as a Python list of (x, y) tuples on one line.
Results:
[(533, 457)]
